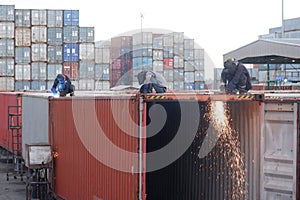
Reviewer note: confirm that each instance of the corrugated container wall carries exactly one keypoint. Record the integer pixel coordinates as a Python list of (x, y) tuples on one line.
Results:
[(7, 13), (7, 67), (71, 18), (7, 48), (55, 36), (87, 167), (55, 18), (7, 83), (86, 34), (7, 30), (71, 52), (71, 34), (23, 37), (38, 17), (22, 18), (87, 51)]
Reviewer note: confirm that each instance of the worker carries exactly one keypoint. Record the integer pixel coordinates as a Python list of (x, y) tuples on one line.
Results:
[(63, 84), (151, 80), (236, 77)]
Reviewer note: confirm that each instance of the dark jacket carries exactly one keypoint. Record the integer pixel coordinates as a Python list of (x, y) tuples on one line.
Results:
[(240, 78), (63, 81)]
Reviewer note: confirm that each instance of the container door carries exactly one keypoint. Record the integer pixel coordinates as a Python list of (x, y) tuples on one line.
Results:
[(279, 151)]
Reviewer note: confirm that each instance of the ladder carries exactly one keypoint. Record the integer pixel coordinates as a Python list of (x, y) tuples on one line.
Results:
[(15, 142)]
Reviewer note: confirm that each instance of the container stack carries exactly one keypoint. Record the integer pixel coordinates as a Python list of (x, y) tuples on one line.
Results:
[(178, 61), (71, 45), (102, 65), (55, 45), (121, 60), (7, 42), (86, 58)]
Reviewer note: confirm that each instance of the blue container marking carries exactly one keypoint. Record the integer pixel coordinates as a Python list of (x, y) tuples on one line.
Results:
[(71, 17)]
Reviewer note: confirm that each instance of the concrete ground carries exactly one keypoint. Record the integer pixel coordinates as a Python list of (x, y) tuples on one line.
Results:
[(14, 188)]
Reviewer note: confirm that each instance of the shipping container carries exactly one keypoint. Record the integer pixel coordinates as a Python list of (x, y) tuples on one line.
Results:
[(22, 72), (86, 34), (199, 65), (38, 85), (22, 85), (189, 66), (158, 43), (38, 17), (54, 18), (102, 72), (8, 99), (199, 85), (157, 54), (39, 34), (7, 30), (158, 66), (189, 54), (178, 85), (168, 52), (71, 70), (102, 85), (22, 18), (178, 75), (38, 71), (23, 37), (178, 62), (87, 51), (7, 83), (55, 54), (189, 77), (71, 34), (121, 42), (188, 43), (199, 54), (189, 86), (168, 40), (23, 55), (7, 66), (7, 13), (199, 75), (168, 75), (142, 38), (53, 70), (178, 37), (102, 55), (71, 52), (144, 50), (86, 70), (170, 85), (55, 36), (111, 177), (178, 49), (86, 84), (7, 48), (168, 63), (71, 18), (120, 52), (39, 52)]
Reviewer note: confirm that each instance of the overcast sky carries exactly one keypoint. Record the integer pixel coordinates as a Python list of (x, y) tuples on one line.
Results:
[(218, 26)]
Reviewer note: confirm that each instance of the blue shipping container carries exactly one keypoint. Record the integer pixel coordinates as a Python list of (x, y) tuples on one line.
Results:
[(22, 85), (7, 48), (71, 34), (71, 17), (7, 12), (22, 18), (55, 36), (71, 53), (38, 85), (55, 18), (102, 72), (55, 54), (23, 55), (7, 66), (86, 34), (189, 86)]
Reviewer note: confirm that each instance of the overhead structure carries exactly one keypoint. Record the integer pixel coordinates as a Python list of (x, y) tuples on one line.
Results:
[(268, 51)]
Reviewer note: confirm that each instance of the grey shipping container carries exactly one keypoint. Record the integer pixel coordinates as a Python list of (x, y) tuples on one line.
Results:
[(199, 75), (142, 50), (86, 84), (178, 49), (7, 30), (7, 48), (102, 55), (199, 54), (7, 66), (178, 62), (199, 65), (23, 55), (178, 37), (189, 54), (168, 40), (71, 34), (157, 54), (39, 34), (178, 75), (142, 38), (188, 43), (189, 66), (86, 70), (7, 83), (55, 18), (86, 34), (55, 36), (168, 74), (22, 72), (38, 17), (38, 70), (38, 85), (158, 65), (158, 43), (189, 77), (39, 52), (102, 72), (102, 85), (178, 85), (168, 52), (87, 51), (55, 54), (22, 18), (23, 37), (7, 12), (53, 70)]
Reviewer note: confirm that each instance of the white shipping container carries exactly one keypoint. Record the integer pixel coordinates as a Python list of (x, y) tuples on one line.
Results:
[(39, 52), (38, 70), (142, 38), (189, 44), (102, 55), (22, 37), (168, 40), (7, 67), (199, 54), (39, 17), (158, 66), (39, 34), (22, 72), (199, 65), (178, 62), (86, 51), (86, 84), (157, 54), (7, 83), (7, 30), (178, 37)]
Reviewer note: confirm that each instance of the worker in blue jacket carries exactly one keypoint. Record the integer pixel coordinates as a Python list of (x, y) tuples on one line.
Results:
[(152, 80), (235, 77), (63, 84)]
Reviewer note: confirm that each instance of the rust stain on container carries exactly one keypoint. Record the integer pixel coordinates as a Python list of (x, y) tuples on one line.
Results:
[(87, 165)]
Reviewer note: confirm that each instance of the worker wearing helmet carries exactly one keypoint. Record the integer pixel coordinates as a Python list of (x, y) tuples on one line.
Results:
[(63, 84), (235, 77), (151, 80)]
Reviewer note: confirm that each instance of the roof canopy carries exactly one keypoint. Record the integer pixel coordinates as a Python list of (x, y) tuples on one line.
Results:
[(263, 51)]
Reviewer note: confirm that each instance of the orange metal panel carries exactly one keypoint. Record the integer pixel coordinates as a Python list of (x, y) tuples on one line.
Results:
[(97, 145)]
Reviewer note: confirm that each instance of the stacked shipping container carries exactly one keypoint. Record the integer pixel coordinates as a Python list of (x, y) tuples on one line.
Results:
[(102, 66)]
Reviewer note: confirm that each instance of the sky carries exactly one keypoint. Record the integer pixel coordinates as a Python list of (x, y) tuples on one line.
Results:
[(217, 26)]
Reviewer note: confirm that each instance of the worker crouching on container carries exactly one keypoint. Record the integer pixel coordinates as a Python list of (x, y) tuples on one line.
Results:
[(64, 86), (235, 77), (151, 80)]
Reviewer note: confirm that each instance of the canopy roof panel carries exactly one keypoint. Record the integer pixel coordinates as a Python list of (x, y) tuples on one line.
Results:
[(263, 51)]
